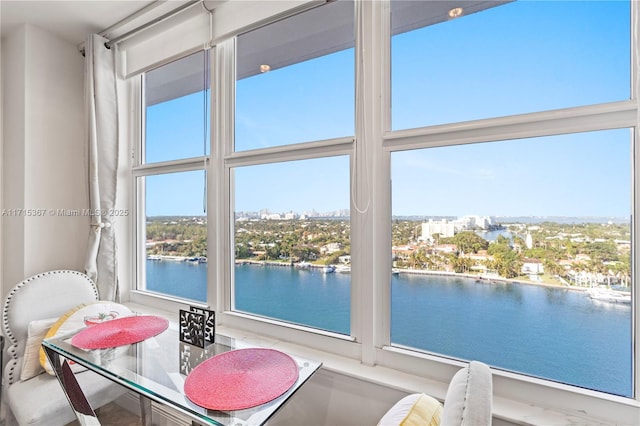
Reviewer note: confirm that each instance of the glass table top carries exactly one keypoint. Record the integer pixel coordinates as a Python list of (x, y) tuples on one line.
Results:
[(157, 368)]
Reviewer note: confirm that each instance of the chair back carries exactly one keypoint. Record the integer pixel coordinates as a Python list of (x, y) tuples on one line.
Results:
[(469, 399), (46, 295)]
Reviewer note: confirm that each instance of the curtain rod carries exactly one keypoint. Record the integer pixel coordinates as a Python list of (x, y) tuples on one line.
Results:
[(151, 23), (146, 25), (138, 13)]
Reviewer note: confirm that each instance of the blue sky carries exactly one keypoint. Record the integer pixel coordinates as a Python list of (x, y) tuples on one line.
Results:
[(516, 58), (570, 175)]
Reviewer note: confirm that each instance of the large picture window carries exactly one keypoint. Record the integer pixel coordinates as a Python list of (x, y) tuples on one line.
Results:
[(520, 248), (522, 251), (410, 184)]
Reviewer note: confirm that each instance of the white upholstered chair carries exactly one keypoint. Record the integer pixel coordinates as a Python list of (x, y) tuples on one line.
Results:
[(468, 402), (40, 400)]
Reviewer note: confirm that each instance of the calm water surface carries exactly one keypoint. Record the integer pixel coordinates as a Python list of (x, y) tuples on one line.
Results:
[(552, 333)]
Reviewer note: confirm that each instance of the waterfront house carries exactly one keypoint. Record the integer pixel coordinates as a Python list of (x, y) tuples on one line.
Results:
[(479, 260), (402, 253), (331, 248), (532, 267), (445, 248), (212, 48)]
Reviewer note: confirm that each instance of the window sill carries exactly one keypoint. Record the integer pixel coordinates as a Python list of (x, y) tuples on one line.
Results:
[(505, 410)]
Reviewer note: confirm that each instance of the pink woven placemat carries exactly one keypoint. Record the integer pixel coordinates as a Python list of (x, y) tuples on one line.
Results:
[(240, 379), (119, 332)]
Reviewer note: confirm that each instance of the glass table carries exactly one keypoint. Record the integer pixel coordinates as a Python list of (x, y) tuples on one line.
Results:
[(156, 370)]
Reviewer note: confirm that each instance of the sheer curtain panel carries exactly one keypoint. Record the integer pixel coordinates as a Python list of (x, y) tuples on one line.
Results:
[(102, 128)]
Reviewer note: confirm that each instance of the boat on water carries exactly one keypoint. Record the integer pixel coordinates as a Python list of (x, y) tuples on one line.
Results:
[(196, 260), (328, 269), (303, 265), (490, 278), (344, 269), (608, 295)]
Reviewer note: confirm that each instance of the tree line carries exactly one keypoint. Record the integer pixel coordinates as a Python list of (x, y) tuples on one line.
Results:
[(294, 241)]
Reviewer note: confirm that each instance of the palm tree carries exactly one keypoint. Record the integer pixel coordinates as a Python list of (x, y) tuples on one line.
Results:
[(552, 267)]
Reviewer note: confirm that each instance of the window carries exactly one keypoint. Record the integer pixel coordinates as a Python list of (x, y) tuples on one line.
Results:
[(171, 180), (291, 228), (293, 257), (295, 79), (515, 252), (517, 248), (177, 106), (518, 57), (428, 186), (176, 234)]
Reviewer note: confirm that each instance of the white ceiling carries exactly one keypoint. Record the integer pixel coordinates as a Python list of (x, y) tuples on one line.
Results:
[(71, 20)]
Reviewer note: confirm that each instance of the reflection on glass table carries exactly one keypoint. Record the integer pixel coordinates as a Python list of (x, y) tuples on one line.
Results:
[(156, 369)]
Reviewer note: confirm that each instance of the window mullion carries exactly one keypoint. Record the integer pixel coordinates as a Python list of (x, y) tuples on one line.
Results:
[(223, 116), (370, 200), (571, 120), (171, 167)]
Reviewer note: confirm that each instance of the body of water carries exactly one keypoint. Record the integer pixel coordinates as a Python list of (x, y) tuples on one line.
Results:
[(493, 235), (553, 333)]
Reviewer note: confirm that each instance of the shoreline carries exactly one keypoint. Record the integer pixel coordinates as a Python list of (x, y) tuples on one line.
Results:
[(490, 279), (276, 263), (481, 278), (484, 279)]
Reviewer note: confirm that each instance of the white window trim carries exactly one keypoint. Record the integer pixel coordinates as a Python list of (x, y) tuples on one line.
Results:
[(223, 117), (137, 268), (546, 394), (371, 160)]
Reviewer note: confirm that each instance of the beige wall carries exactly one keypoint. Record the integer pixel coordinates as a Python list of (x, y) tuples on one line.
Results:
[(13, 135), (43, 160)]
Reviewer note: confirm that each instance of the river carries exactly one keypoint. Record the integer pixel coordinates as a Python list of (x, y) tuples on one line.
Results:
[(553, 333)]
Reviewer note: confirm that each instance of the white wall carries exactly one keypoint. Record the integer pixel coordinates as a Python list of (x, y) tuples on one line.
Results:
[(44, 154), (13, 132), (330, 398)]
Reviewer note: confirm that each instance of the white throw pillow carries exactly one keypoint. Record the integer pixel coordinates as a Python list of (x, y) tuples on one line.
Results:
[(84, 315), (31, 361)]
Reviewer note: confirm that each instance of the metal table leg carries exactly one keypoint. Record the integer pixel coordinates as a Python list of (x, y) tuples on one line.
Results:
[(145, 410), (78, 401)]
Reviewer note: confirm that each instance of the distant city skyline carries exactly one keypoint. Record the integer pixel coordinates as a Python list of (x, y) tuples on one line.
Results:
[(339, 214)]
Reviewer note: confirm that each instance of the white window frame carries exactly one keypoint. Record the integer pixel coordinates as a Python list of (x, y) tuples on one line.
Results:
[(140, 169), (547, 394), (224, 160), (369, 342)]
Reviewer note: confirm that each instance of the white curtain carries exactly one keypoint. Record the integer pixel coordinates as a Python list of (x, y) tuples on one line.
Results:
[(102, 138)]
